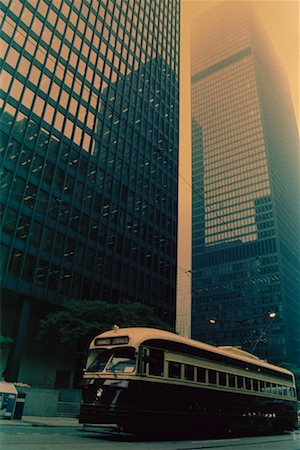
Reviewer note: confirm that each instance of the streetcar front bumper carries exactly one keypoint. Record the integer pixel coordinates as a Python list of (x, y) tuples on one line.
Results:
[(106, 414)]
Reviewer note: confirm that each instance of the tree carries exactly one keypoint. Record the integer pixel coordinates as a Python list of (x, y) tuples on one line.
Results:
[(79, 320), (5, 342)]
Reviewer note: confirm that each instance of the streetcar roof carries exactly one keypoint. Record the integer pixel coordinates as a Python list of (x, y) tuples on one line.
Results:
[(138, 335)]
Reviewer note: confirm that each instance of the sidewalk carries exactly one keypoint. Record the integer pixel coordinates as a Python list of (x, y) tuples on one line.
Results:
[(36, 421)]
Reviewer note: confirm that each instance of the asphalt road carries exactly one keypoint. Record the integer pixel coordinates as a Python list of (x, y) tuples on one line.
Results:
[(14, 437)]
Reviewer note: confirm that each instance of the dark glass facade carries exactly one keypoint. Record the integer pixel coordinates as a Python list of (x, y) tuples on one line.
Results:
[(245, 233), (89, 147)]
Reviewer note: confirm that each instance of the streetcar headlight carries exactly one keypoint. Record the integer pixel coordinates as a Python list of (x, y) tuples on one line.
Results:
[(99, 392)]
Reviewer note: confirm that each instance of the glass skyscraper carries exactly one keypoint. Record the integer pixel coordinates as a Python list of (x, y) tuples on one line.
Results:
[(245, 178), (89, 147)]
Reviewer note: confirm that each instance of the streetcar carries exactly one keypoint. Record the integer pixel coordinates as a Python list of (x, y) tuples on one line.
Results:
[(145, 379)]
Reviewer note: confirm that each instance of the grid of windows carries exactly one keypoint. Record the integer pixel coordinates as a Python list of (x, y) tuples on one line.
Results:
[(241, 193), (213, 377), (89, 143), (225, 109)]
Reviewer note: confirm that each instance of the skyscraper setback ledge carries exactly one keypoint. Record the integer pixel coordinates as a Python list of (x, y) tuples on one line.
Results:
[(226, 62)]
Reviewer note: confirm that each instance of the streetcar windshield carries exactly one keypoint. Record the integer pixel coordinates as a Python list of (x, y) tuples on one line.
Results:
[(100, 361), (119, 360), (123, 360)]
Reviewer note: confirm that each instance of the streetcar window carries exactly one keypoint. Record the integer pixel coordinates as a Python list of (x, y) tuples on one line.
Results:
[(188, 372), (279, 390), (100, 361), (156, 362), (222, 379), (274, 388), (262, 386), (293, 392), (212, 376), (268, 387), (248, 383), (255, 385), (240, 382), (290, 391), (285, 392), (201, 375), (174, 369), (123, 360), (231, 380)]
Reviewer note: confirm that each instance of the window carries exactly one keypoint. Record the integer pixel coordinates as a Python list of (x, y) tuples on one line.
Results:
[(49, 113), (16, 89), (290, 392), (30, 195), (10, 221), (123, 360), (174, 369), (54, 92), (156, 362), (240, 382), (248, 383), (285, 390), (15, 263), (231, 380), (188, 372), (59, 243), (42, 202), (12, 57), (212, 376), (23, 227), (6, 180), (98, 363), (29, 267), (28, 98), (48, 239), (201, 372), (5, 80), (222, 379), (39, 106), (35, 74), (53, 278), (262, 386), (3, 259), (48, 172), (35, 233)]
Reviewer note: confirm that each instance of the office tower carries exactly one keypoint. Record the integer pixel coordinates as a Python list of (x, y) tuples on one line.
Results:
[(245, 153), (89, 144)]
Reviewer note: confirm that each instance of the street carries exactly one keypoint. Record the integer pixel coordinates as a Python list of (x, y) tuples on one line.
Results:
[(29, 437)]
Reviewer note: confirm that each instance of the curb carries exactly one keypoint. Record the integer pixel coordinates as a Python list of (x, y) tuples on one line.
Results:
[(39, 423)]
